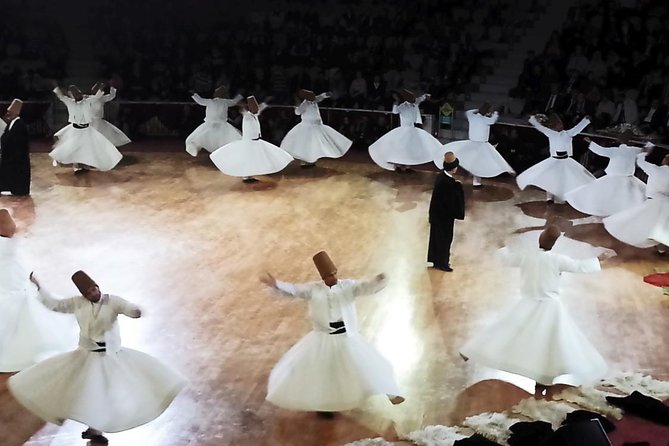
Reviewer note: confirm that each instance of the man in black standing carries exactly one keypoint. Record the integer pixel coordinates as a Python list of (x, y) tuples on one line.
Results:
[(446, 206), (14, 153)]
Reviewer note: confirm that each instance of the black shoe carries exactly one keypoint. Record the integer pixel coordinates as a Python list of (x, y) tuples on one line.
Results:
[(249, 180), (326, 415), (307, 165), (446, 268)]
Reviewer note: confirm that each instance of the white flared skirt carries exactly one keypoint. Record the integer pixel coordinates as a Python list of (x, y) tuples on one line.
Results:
[(607, 195), (643, 226), (537, 339), (324, 372), (404, 145), (85, 146), (29, 332), (210, 136), (246, 158), (556, 176), (478, 158), (110, 393), (311, 141), (110, 131)]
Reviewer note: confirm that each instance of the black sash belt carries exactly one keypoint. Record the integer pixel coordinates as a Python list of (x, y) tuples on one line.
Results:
[(561, 155), (79, 126), (102, 349), (338, 327)]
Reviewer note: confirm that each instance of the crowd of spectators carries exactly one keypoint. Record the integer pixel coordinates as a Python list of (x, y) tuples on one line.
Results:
[(359, 51), (610, 61), (32, 48)]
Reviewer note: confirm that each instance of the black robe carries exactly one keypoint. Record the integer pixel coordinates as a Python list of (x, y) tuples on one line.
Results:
[(15, 159), (446, 206)]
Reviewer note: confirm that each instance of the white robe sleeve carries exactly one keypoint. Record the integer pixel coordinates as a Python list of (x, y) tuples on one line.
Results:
[(58, 305), (545, 130), (299, 290), (367, 287), (110, 96), (61, 96), (396, 109), (490, 120), (200, 100), (122, 306), (234, 101), (599, 150), (321, 97), (578, 128), (261, 107), (420, 99), (568, 264)]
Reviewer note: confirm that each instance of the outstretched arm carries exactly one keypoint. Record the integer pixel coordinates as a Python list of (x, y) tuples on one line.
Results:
[(61, 96), (129, 309), (599, 150), (545, 130), (367, 287), (235, 100), (322, 96), (422, 98), (579, 266), (110, 96), (300, 108), (200, 100), (53, 304), (578, 128), (302, 291)]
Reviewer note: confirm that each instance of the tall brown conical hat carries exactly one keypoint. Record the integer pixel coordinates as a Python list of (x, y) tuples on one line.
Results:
[(324, 264), (15, 106), (221, 92), (83, 281), (665, 160), (625, 136), (306, 95), (407, 95), (7, 225), (485, 108), (252, 104), (554, 122), (548, 237)]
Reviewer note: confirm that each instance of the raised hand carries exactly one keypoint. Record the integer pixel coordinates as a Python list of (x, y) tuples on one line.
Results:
[(268, 280)]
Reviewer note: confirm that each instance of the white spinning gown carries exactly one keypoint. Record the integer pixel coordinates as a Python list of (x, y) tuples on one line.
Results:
[(537, 338), (29, 332), (110, 391), (83, 145), (330, 372), (311, 139), (215, 131), (618, 190), (251, 155), (476, 154), (405, 145), (557, 175), (108, 130), (646, 224)]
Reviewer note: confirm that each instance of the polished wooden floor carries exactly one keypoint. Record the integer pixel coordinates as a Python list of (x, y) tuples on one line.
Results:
[(188, 244)]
